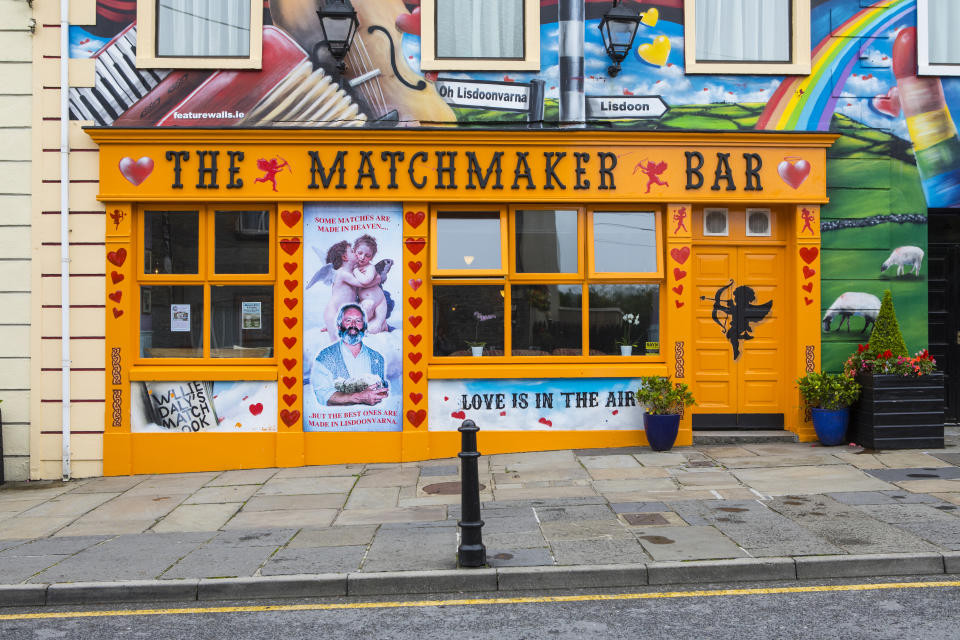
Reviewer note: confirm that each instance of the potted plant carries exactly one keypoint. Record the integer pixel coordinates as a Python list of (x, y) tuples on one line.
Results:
[(629, 321), (901, 406), (665, 403), (476, 346), (829, 396)]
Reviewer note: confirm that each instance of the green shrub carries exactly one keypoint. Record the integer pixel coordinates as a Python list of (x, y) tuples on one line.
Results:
[(886, 330), (661, 397), (828, 390)]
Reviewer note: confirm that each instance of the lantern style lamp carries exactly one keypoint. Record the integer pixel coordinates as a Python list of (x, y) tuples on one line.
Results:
[(339, 23), (618, 28)]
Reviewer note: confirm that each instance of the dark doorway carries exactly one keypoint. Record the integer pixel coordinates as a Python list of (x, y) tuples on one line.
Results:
[(943, 251)]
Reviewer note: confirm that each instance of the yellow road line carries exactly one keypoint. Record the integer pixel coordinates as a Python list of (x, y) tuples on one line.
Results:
[(482, 601)]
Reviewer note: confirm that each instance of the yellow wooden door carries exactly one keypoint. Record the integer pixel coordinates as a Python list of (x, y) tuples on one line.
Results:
[(739, 333)]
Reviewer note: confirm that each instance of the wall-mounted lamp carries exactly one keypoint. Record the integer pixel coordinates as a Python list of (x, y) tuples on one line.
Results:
[(338, 21), (618, 28)]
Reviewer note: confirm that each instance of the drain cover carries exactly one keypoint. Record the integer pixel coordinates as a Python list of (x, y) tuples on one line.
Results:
[(445, 488)]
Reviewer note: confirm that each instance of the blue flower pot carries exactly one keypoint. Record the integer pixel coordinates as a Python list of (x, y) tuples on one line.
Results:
[(661, 430), (831, 425)]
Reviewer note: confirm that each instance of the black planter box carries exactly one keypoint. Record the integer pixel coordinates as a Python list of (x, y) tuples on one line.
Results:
[(897, 412)]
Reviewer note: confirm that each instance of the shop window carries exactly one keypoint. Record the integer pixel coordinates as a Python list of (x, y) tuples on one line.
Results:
[(571, 277), (759, 222), (716, 222), (206, 282), (747, 36), (462, 35), (938, 48), (199, 34)]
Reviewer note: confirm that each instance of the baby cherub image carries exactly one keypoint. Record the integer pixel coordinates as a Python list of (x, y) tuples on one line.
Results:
[(370, 294)]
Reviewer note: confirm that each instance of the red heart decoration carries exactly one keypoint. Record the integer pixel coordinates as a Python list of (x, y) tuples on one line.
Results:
[(681, 254), (290, 341), (289, 363), (118, 257), (289, 417), (794, 173), (807, 272), (290, 218), (414, 265), (116, 277), (459, 415), (290, 322), (117, 312), (410, 23), (415, 283), (414, 357), (679, 274), (415, 376), (290, 267), (415, 218), (414, 339), (415, 302), (290, 302), (415, 245), (678, 289), (289, 381), (445, 398), (503, 413), (809, 254), (416, 417), (291, 284), (615, 411), (289, 399), (545, 421), (290, 245), (807, 300), (678, 303), (256, 409), (888, 104), (808, 287), (136, 171), (115, 296), (415, 320), (416, 397)]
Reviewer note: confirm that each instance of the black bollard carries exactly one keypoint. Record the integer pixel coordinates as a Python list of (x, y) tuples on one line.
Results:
[(471, 552)]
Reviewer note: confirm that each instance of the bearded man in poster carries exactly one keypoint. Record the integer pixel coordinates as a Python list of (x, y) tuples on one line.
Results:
[(349, 372)]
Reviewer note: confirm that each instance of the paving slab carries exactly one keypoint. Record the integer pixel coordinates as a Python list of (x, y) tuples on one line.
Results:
[(721, 452), (574, 513), (687, 543), (115, 484), (536, 460), (639, 507), (174, 484), (226, 493), (860, 460), (652, 519), (361, 535), (32, 527), (598, 551), (662, 496), (442, 470), (945, 534), (85, 527), (295, 518), (197, 517), (544, 493), (661, 459), (253, 538), (242, 477), (608, 529), (136, 507), (20, 568), (219, 562), (767, 462), (905, 459), (706, 479), (298, 486), (620, 461), (901, 513), (519, 540), (499, 555), (411, 549), (563, 474), (636, 484), (373, 498), (65, 546), (308, 501), (881, 497), (19, 505), (388, 477), (783, 481), (70, 504), (931, 486), (315, 560), (321, 471), (906, 474), (627, 473), (377, 516)]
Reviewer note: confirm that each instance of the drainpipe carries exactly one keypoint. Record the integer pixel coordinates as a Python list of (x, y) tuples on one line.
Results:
[(65, 234), (570, 14)]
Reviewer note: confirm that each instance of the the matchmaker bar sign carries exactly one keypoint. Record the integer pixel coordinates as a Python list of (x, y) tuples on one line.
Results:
[(541, 168)]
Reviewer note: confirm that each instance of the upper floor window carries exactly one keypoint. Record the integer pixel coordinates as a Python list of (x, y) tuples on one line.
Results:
[(461, 35), (938, 48), (747, 36), (220, 34)]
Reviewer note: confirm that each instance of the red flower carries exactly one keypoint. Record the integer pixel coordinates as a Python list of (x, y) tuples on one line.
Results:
[(862, 347), (887, 354)]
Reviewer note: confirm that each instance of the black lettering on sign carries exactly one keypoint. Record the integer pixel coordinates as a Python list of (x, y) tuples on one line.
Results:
[(723, 172), (203, 170), (394, 156), (422, 155), (550, 169), (450, 170), (754, 164), (605, 171), (524, 173), (473, 169), (316, 167), (177, 157), (234, 169), (366, 171), (694, 177)]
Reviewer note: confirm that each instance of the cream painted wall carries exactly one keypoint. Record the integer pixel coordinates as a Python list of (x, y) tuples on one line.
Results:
[(86, 222)]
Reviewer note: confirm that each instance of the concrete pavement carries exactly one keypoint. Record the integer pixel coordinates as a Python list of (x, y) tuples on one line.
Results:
[(560, 519)]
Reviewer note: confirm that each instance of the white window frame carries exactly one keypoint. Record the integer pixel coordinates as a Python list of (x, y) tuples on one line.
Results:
[(726, 221), (769, 232), (799, 50), (147, 43), (531, 44), (924, 67)]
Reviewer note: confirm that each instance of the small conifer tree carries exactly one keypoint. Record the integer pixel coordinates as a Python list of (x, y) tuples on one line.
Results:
[(886, 330)]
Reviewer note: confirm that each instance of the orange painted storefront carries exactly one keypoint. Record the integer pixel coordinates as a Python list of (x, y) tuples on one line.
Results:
[(428, 170)]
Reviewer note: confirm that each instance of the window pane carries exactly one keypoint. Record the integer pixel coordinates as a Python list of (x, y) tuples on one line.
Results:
[(171, 322), (743, 30), (624, 241), (479, 28), (547, 320), (944, 22), (546, 241), (466, 313), (203, 28), (467, 240), (609, 303), (241, 322), (171, 241), (242, 242)]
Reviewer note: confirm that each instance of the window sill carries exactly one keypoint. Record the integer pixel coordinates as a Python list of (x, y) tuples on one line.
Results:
[(597, 367), (194, 371)]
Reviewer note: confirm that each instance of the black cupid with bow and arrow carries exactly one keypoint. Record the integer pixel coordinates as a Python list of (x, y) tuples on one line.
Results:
[(739, 312)]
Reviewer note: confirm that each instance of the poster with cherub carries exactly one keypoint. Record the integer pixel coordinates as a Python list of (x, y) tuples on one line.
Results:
[(353, 328)]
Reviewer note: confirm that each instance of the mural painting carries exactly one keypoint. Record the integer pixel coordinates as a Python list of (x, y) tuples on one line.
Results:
[(210, 407)]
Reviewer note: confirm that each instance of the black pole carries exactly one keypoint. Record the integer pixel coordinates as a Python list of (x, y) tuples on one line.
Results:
[(471, 552)]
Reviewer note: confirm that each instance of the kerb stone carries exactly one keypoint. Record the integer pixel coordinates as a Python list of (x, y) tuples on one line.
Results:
[(126, 591), (394, 582), (20, 595), (585, 577), (291, 586), (735, 570), (878, 564)]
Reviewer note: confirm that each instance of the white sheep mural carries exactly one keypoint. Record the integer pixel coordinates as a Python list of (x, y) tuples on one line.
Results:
[(908, 256), (849, 304)]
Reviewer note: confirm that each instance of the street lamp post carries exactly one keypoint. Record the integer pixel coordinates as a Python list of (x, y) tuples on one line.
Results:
[(338, 21), (618, 29)]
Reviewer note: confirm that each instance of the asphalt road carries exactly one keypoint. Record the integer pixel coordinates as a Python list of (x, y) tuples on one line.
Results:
[(907, 608)]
